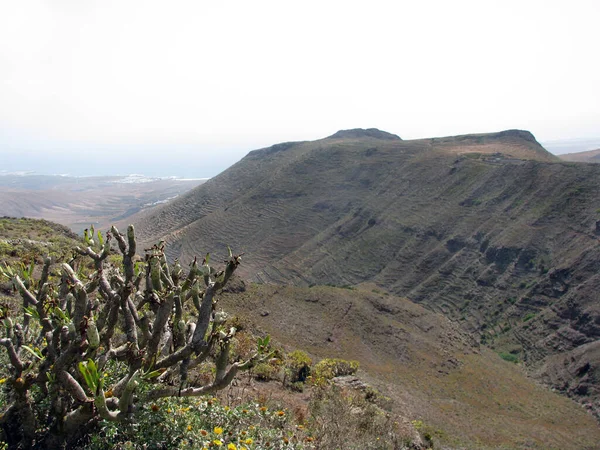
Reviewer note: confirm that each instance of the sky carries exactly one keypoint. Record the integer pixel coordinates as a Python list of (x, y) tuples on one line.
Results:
[(187, 88)]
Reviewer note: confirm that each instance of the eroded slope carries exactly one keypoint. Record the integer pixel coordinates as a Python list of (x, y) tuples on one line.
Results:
[(486, 229)]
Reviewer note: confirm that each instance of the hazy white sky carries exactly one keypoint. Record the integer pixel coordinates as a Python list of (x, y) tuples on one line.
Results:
[(219, 78)]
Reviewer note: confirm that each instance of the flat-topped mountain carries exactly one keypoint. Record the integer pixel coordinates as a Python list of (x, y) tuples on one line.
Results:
[(489, 229)]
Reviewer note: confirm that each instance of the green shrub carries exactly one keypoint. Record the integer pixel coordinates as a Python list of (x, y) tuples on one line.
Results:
[(509, 357), (264, 372), (330, 368), (298, 366), (528, 317)]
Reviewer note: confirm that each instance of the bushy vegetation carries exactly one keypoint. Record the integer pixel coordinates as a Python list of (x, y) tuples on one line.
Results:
[(199, 423), (102, 345), (109, 350), (330, 368)]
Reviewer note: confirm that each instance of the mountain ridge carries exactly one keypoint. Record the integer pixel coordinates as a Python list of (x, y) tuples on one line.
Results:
[(491, 230), (589, 156)]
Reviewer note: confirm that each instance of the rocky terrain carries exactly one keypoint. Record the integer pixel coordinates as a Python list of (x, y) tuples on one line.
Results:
[(490, 230)]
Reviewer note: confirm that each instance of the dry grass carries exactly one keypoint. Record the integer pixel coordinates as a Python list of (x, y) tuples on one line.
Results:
[(465, 397)]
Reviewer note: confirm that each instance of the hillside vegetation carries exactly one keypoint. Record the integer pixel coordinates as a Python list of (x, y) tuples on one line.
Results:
[(490, 230), (462, 394)]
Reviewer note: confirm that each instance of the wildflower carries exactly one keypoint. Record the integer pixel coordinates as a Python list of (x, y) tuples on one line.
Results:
[(108, 394), (300, 427), (243, 433), (231, 447), (3, 380), (263, 409), (154, 407), (280, 413), (309, 439), (226, 408), (286, 440), (169, 411), (189, 428), (217, 442), (245, 411), (218, 430), (248, 441)]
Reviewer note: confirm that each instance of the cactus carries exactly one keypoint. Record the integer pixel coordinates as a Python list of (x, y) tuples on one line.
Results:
[(137, 316)]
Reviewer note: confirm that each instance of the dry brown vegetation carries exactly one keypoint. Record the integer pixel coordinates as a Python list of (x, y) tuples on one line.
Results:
[(461, 394)]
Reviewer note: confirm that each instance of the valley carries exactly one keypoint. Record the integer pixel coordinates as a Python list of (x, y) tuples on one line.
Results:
[(78, 202)]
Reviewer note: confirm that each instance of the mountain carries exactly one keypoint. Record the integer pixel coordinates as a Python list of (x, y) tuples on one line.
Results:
[(590, 156), (489, 229)]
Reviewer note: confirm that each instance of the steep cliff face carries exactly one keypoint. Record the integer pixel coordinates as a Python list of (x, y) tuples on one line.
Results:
[(487, 229)]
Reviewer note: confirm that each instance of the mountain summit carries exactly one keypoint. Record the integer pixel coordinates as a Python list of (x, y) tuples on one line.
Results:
[(358, 133)]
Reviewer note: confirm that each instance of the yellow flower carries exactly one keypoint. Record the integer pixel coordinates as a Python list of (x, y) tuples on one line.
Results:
[(280, 413), (3, 380), (226, 408), (248, 441), (263, 409), (217, 442), (231, 447), (218, 430), (189, 428)]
